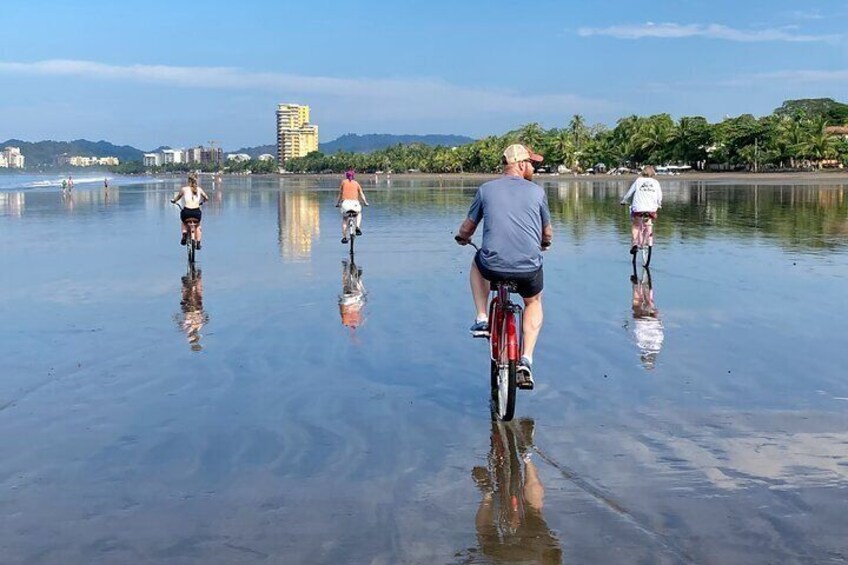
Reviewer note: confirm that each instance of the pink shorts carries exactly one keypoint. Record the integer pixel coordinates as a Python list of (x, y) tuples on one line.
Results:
[(634, 215)]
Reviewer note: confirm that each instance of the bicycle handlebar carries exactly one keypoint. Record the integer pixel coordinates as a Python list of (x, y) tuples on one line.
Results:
[(462, 241)]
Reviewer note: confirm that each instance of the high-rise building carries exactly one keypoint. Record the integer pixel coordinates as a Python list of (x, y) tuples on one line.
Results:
[(296, 137), (13, 158)]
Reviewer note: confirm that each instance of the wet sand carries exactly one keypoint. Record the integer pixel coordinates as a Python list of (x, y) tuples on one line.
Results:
[(254, 411)]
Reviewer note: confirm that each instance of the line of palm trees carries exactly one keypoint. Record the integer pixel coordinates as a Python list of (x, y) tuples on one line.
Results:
[(774, 141)]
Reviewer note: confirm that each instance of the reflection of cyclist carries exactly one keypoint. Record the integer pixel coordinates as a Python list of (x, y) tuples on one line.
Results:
[(193, 316), (509, 521), (647, 326), (192, 197), (647, 197), (350, 193), (352, 299), (516, 228)]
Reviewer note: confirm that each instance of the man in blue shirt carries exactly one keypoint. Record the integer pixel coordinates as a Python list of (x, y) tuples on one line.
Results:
[(516, 229)]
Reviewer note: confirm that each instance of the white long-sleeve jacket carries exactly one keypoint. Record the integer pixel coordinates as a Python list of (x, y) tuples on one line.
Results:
[(646, 193)]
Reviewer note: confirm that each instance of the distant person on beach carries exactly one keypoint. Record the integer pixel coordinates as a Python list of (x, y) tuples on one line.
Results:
[(647, 197), (70, 183), (350, 194), (516, 229), (64, 185), (193, 197)]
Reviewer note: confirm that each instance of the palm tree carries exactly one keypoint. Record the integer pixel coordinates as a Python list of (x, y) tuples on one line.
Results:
[(561, 148), (531, 135), (653, 136), (819, 143)]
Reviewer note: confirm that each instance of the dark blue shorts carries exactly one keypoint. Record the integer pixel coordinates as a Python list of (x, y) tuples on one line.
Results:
[(527, 285)]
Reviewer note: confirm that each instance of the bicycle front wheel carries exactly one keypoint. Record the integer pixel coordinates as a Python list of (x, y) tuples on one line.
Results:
[(503, 394), (190, 250)]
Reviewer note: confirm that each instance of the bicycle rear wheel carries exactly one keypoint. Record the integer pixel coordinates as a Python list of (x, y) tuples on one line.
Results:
[(504, 382), (504, 391)]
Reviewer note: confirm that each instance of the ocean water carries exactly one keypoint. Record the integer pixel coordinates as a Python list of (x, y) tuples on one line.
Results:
[(277, 405)]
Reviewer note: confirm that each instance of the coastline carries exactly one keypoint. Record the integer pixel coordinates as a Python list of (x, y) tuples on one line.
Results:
[(741, 177)]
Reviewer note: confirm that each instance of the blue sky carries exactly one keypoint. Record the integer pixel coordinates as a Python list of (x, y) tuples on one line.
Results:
[(181, 72)]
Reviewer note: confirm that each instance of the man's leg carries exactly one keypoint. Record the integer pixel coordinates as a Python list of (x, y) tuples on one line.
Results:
[(480, 292), (634, 232), (533, 317), (197, 232)]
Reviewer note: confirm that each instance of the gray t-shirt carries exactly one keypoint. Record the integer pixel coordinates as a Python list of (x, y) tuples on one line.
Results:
[(514, 211)]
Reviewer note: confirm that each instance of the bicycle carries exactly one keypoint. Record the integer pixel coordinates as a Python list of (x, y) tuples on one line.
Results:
[(506, 342), (191, 241), (644, 239), (350, 219)]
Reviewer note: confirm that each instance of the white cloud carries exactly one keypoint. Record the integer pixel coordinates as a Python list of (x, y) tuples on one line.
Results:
[(708, 31), (806, 76), (791, 77), (389, 98)]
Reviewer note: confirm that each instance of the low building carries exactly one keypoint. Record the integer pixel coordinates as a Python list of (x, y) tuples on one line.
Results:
[(83, 161), (173, 156), (152, 159), (13, 158), (841, 131), (266, 157), (238, 157)]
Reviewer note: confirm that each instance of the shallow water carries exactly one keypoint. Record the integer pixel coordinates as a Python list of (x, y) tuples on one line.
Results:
[(269, 409)]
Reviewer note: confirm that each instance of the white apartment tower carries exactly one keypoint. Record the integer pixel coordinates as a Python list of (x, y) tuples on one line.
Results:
[(296, 137), (12, 158)]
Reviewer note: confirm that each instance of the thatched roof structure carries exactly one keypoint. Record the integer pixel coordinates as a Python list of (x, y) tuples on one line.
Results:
[(837, 130)]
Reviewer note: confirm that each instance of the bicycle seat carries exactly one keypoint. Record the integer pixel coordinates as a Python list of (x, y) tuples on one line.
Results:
[(645, 214), (191, 221), (351, 214), (511, 286)]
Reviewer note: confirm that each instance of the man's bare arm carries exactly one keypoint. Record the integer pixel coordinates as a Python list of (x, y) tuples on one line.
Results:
[(547, 235), (467, 229)]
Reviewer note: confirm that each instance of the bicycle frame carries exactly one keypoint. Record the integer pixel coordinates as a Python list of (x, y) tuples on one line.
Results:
[(350, 218), (646, 231), (505, 320), (645, 238)]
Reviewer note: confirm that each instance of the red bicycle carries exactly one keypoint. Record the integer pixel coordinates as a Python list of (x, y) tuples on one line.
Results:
[(505, 339), (645, 241)]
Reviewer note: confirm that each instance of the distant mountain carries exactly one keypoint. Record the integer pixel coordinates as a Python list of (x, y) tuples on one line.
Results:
[(354, 143), (367, 143), (40, 153), (45, 152)]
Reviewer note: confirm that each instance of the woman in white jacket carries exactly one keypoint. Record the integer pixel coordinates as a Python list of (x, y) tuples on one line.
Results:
[(647, 197)]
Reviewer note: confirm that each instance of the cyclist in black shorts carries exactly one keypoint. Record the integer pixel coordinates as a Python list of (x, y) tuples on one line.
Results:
[(516, 228), (192, 197)]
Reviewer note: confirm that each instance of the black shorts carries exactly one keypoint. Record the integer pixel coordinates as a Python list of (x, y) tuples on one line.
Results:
[(527, 285), (188, 213)]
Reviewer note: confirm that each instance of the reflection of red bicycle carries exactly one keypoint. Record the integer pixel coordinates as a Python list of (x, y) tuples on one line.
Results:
[(505, 339)]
